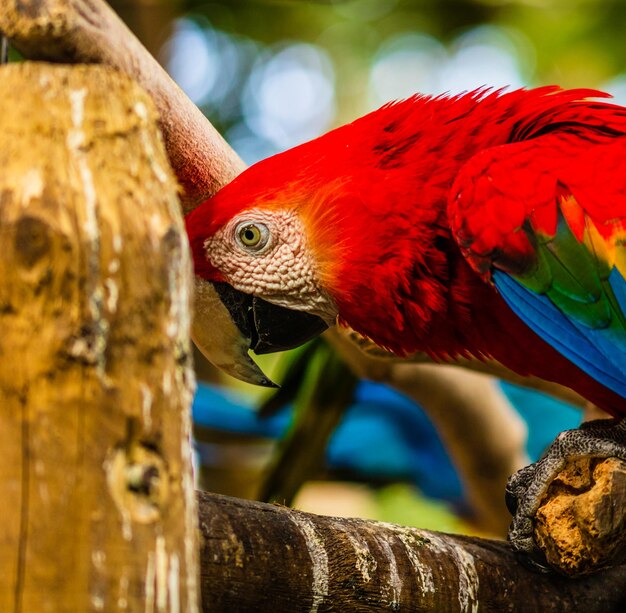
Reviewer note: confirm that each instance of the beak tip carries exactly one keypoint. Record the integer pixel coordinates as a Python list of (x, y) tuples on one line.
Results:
[(265, 382)]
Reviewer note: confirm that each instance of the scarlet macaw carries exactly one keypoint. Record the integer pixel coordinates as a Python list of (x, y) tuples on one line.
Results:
[(488, 224)]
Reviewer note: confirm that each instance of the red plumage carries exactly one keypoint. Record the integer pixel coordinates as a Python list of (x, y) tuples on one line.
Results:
[(374, 199)]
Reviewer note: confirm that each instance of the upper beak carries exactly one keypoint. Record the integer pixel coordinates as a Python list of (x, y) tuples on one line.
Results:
[(227, 323)]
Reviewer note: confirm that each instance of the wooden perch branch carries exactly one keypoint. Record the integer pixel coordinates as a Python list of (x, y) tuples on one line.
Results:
[(264, 558), (89, 32)]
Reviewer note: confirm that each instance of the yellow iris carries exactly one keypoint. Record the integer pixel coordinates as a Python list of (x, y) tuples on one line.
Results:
[(250, 235)]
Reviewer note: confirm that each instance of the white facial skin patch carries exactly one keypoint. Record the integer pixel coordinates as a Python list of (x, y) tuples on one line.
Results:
[(279, 268)]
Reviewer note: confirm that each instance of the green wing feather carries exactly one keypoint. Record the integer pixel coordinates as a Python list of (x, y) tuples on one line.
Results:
[(575, 279)]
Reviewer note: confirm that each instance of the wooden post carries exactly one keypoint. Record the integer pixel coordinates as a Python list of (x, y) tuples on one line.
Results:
[(97, 509)]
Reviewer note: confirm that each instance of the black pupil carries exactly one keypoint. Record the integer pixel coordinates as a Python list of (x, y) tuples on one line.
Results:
[(249, 234)]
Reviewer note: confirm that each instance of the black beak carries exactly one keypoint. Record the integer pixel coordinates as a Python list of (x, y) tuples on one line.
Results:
[(260, 325), (269, 327)]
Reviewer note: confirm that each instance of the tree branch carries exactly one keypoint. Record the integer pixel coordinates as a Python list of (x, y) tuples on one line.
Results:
[(89, 32), (264, 558)]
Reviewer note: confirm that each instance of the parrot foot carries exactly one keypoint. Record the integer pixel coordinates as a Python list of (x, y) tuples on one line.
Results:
[(527, 488)]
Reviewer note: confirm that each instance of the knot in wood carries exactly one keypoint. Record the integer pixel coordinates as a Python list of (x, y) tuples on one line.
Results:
[(32, 240), (143, 479), (139, 482)]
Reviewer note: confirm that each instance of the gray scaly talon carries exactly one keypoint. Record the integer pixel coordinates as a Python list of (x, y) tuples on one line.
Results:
[(527, 488)]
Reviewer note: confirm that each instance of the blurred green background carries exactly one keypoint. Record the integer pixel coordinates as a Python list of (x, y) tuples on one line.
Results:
[(273, 73), (270, 74)]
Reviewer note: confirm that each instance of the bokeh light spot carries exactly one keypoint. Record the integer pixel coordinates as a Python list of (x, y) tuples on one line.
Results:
[(203, 61), (483, 56), (289, 97), (404, 65)]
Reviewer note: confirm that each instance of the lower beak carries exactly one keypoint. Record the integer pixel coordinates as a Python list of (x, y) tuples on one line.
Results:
[(227, 323)]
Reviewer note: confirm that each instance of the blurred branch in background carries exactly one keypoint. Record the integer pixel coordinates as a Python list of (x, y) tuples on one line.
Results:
[(484, 436), (374, 363), (321, 387)]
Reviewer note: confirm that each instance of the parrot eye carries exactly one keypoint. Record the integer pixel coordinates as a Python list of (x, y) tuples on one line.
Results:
[(252, 235)]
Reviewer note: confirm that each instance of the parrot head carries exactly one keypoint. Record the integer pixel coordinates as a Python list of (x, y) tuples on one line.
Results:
[(255, 256), (262, 251), (318, 234)]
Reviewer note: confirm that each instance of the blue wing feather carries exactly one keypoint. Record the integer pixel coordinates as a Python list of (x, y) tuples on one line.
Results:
[(598, 352), (618, 284)]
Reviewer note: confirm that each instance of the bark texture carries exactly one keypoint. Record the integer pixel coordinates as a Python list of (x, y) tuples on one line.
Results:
[(264, 558), (98, 509)]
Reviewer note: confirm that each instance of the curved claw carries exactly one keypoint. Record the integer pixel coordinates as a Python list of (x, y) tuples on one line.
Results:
[(510, 499), (531, 562)]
